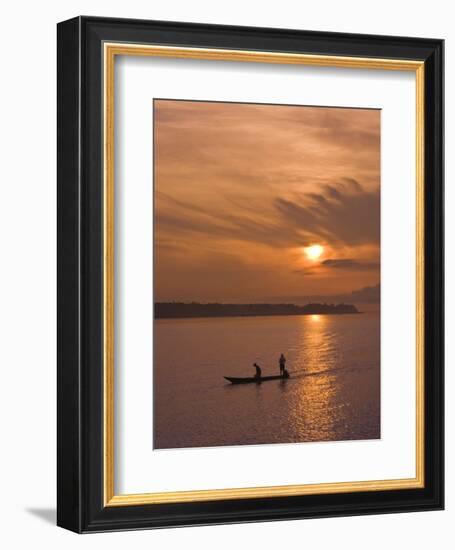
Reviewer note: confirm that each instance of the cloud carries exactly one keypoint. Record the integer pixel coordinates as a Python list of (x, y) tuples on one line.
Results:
[(305, 271), (351, 264), (261, 182), (365, 295), (241, 223), (346, 214), (342, 213)]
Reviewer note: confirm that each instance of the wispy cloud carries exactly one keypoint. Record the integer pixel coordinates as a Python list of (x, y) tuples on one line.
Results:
[(241, 189), (350, 264), (365, 295), (346, 213)]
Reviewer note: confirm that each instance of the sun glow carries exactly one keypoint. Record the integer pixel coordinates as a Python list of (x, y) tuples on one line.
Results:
[(314, 251)]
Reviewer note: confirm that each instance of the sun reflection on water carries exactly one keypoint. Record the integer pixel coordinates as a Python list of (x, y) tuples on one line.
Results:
[(332, 394), (313, 410)]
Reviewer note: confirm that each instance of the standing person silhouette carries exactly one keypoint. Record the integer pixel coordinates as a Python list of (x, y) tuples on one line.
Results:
[(258, 371), (282, 362)]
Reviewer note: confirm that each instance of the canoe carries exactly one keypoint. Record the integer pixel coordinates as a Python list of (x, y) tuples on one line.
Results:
[(253, 379)]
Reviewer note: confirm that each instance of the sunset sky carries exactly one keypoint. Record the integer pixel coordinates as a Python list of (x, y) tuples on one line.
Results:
[(258, 203)]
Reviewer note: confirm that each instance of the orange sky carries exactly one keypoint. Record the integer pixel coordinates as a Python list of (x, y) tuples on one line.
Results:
[(242, 189)]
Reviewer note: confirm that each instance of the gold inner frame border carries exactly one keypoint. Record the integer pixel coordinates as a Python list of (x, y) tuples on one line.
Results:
[(110, 51)]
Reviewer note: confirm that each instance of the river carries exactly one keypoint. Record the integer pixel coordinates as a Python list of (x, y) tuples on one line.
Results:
[(333, 392)]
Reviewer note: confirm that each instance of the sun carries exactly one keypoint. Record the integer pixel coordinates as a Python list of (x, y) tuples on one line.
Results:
[(314, 251)]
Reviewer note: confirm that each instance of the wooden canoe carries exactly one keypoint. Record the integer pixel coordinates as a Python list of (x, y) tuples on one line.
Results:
[(254, 380)]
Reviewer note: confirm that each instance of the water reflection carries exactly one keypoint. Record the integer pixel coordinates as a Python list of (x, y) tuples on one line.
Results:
[(333, 392), (312, 409)]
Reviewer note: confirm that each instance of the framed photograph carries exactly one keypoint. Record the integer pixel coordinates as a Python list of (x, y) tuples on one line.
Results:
[(250, 274)]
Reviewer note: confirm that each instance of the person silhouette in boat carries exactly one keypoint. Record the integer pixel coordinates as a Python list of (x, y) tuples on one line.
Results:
[(282, 362), (258, 371)]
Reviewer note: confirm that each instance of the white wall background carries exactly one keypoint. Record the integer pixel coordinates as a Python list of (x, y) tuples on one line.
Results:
[(27, 288)]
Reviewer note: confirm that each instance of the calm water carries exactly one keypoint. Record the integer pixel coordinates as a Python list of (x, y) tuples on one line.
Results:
[(333, 392)]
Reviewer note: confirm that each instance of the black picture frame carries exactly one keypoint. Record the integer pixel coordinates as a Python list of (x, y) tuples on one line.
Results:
[(80, 276)]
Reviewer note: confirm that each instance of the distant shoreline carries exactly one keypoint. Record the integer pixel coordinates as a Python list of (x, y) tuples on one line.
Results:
[(180, 310)]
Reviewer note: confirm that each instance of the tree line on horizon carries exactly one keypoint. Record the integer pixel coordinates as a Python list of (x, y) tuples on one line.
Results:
[(167, 310)]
